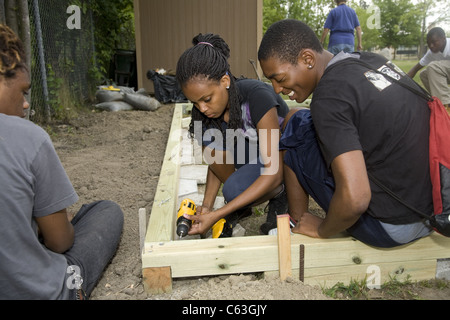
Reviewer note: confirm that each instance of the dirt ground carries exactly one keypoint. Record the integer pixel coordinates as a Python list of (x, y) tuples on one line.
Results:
[(118, 156)]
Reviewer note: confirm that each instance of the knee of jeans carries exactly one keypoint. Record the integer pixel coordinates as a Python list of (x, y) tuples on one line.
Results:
[(231, 189), (114, 210)]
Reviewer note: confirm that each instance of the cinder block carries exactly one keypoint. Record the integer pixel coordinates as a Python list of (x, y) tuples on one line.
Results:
[(443, 269)]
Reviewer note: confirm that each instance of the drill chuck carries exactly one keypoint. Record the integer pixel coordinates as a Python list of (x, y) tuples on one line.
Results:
[(183, 226)]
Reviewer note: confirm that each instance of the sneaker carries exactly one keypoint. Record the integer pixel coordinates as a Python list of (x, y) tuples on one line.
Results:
[(274, 231), (238, 215), (277, 206)]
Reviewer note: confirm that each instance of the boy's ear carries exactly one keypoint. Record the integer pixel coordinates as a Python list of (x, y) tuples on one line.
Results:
[(307, 58)]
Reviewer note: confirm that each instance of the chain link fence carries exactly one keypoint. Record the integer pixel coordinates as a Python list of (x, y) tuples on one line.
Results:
[(62, 58)]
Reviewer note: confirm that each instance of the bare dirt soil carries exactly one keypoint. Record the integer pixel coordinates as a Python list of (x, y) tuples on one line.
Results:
[(118, 156)]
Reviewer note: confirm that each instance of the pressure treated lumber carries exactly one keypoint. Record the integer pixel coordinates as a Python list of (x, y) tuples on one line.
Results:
[(326, 262), (162, 219), (314, 261), (157, 280), (142, 228), (284, 246)]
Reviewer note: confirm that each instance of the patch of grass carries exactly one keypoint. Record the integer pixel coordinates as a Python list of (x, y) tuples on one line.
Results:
[(395, 288), (406, 65), (391, 290), (354, 290)]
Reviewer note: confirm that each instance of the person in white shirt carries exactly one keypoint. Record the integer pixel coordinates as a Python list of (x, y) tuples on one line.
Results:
[(436, 77)]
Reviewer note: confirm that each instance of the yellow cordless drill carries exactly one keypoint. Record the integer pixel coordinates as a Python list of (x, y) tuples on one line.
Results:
[(222, 229), (188, 207)]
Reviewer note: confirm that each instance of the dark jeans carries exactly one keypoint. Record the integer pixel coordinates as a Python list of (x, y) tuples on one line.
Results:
[(304, 157), (98, 228), (240, 180), (370, 231), (246, 161)]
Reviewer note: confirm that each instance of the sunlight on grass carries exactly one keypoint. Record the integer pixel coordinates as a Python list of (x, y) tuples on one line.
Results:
[(406, 65)]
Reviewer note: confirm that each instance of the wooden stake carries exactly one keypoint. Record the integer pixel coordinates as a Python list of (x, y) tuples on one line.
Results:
[(157, 280), (284, 246), (142, 227)]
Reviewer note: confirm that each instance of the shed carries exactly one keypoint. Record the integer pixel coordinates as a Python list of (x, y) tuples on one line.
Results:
[(165, 29)]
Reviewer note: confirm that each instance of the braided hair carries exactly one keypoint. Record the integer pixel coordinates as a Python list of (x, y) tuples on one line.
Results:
[(12, 53), (208, 58)]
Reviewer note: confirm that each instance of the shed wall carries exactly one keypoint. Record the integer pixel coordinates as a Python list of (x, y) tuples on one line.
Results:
[(165, 29)]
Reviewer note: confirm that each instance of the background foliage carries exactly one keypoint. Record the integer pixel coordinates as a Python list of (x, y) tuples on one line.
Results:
[(76, 62), (401, 22)]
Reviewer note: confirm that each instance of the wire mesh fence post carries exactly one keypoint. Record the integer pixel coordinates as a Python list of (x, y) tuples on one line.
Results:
[(63, 67), (41, 57)]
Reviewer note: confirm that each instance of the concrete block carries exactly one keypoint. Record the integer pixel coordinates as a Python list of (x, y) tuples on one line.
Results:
[(187, 187), (194, 172), (443, 269)]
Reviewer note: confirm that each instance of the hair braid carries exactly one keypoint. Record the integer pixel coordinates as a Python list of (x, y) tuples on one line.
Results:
[(208, 58), (12, 53)]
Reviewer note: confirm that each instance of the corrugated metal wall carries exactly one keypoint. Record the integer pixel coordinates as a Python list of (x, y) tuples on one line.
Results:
[(165, 28)]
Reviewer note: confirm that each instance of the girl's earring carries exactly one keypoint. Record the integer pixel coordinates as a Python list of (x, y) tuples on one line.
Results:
[(310, 67)]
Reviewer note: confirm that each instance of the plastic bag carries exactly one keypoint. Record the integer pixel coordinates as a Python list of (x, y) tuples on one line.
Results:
[(108, 96), (114, 106), (167, 89), (141, 102)]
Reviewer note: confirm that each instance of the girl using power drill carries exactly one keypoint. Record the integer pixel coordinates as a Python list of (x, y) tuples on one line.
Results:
[(237, 122)]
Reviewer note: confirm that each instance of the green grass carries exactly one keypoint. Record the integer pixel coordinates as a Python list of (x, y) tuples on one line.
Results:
[(406, 65), (391, 290)]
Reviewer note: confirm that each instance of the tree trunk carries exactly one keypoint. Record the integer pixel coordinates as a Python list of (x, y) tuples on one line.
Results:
[(11, 10), (2, 12), (24, 23)]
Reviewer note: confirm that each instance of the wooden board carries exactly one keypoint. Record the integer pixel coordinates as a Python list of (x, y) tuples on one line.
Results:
[(284, 246), (326, 262), (315, 261), (162, 218)]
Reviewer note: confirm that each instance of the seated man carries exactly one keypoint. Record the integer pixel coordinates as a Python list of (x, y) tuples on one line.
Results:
[(43, 255), (436, 77), (361, 124)]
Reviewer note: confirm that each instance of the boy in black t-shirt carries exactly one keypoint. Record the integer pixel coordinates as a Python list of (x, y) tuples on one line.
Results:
[(365, 122)]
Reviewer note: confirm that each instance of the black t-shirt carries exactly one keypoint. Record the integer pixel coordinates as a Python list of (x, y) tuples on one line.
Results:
[(355, 108), (257, 98)]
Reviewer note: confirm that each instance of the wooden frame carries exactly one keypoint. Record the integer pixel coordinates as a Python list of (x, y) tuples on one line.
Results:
[(314, 261)]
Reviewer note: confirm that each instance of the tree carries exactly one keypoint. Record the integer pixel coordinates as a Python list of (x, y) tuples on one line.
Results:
[(370, 20), (398, 23), (312, 12), (273, 11), (14, 13), (114, 28)]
